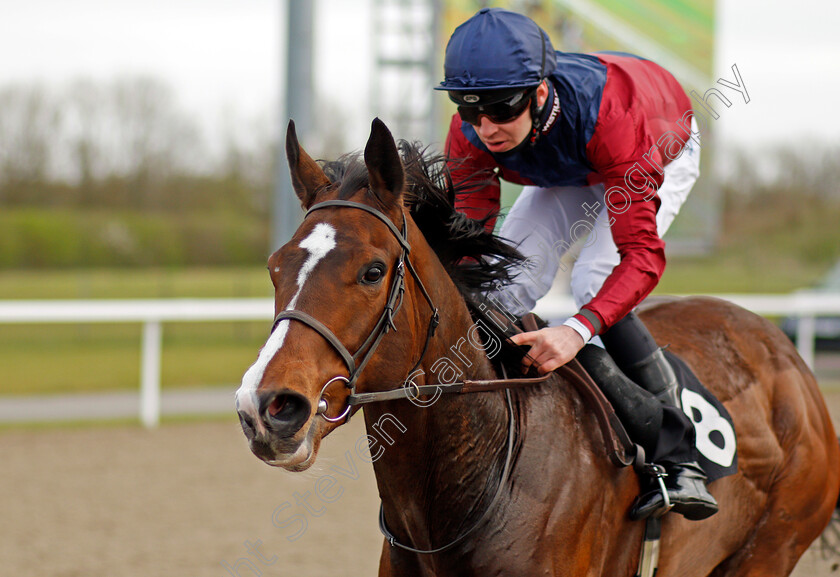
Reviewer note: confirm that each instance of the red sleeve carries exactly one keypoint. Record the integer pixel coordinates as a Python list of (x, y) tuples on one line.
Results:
[(617, 152), (474, 175)]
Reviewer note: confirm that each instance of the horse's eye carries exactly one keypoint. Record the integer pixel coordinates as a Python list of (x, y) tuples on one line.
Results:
[(374, 274)]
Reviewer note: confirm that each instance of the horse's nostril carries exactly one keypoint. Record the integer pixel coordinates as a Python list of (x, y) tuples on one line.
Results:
[(246, 419), (277, 404), (286, 413)]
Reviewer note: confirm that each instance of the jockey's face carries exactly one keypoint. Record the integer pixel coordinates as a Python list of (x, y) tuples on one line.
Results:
[(508, 135)]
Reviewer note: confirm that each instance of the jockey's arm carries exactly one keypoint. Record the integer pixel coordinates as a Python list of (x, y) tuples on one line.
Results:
[(617, 153), (614, 151)]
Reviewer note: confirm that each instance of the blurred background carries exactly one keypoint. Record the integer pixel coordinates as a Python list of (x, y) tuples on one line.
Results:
[(139, 160)]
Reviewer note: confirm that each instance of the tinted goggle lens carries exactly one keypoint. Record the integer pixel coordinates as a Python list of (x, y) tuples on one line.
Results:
[(498, 113)]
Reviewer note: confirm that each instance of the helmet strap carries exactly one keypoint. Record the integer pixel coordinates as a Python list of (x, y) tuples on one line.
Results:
[(536, 120)]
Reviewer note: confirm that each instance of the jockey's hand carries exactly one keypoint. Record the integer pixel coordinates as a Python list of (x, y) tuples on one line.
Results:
[(551, 347)]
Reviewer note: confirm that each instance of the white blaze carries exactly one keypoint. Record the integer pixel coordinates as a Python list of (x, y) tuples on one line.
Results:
[(319, 242)]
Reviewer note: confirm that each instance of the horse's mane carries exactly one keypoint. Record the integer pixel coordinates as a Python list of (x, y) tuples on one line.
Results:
[(477, 260)]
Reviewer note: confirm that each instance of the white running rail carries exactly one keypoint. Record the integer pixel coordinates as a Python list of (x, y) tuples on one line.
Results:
[(153, 313)]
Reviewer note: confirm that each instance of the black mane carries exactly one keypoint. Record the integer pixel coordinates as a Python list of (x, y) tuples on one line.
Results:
[(477, 261)]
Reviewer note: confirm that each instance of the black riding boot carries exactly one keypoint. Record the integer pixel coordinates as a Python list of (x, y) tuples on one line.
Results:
[(687, 493), (637, 409), (657, 375), (686, 481)]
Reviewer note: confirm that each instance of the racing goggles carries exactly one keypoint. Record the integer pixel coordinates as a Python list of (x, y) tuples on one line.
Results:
[(471, 108)]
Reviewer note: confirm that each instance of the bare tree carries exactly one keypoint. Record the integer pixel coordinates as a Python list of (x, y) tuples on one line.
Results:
[(126, 143), (28, 125)]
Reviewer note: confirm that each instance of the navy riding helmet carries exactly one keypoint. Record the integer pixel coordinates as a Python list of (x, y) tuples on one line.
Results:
[(493, 55), (494, 62)]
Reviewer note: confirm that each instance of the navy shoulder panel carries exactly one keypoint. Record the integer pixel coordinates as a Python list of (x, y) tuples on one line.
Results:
[(619, 53), (580, 80)]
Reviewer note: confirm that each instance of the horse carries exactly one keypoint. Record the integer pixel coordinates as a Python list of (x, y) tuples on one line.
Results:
[(506, 482)]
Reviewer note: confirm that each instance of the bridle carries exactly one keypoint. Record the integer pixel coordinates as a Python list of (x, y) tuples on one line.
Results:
[(357, 361), (366, 350)]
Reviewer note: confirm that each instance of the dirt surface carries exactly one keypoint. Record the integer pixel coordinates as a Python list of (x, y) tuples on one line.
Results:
[(190, 500)]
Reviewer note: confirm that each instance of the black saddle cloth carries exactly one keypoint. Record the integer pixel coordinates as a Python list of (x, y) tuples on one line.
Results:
[(715, 434)]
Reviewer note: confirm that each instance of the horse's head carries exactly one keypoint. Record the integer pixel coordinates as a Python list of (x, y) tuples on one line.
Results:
[(334, 282)]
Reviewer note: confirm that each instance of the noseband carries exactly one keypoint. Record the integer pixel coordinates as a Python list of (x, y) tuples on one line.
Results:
[(356, 362)]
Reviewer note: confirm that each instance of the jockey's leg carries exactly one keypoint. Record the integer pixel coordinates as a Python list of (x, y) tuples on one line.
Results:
[(543, 224), (641, 360), (672, 445), (637, 409), (638, 355)]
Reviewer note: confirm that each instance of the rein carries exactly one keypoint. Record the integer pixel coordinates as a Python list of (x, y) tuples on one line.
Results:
[(413, 391)]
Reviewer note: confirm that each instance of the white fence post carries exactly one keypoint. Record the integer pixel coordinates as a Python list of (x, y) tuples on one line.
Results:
[(150, 374), (805, 337)]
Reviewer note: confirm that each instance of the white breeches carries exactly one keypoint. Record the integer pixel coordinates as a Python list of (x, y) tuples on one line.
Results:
[(544, 223)]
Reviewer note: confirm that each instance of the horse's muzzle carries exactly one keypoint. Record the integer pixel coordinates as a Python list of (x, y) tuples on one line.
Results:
[(276, 436)]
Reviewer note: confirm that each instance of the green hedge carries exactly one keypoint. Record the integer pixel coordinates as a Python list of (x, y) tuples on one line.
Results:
[(65, 238)]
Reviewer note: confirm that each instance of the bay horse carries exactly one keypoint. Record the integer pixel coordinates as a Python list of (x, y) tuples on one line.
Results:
[(508, 482)]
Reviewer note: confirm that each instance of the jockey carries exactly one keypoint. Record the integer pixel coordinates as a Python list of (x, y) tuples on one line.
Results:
[(608, 150)]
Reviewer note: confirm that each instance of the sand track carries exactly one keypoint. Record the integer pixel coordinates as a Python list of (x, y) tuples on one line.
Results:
[(189, 500)]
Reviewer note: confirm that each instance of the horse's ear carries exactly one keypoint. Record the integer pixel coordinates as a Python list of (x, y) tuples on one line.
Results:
[(307, 176), (383, 163)]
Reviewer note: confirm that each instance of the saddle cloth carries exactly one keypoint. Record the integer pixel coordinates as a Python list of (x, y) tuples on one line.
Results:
[(715, 441)]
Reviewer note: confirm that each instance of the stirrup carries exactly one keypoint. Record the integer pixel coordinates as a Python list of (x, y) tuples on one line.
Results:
[(659, 473)]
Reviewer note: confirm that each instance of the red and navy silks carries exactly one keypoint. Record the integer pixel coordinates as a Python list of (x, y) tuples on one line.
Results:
[(620, 120)]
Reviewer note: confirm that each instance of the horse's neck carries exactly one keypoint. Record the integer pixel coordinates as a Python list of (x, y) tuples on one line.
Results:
[(440, 470), (439, 453), (438, 461)]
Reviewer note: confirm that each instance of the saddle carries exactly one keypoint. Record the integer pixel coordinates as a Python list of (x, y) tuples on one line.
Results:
[(714, 442), (619, 449)]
